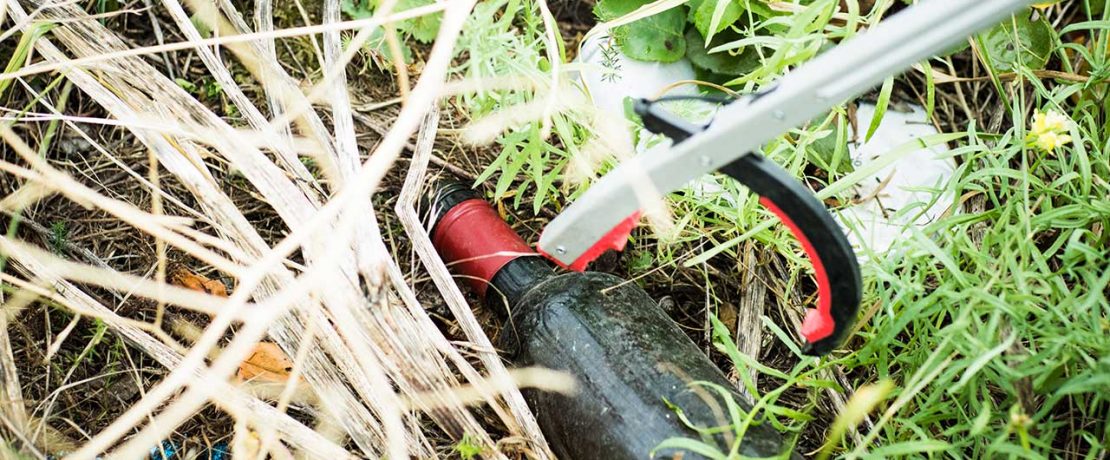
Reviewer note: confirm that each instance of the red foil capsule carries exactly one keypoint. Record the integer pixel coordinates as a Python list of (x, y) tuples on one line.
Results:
[(476, 243)]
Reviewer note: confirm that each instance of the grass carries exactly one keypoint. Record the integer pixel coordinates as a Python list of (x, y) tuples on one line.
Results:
[(1001, 313), (986, 333), (504, 39)]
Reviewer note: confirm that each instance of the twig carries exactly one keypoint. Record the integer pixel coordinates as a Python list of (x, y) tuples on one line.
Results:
[(753, 300), (838, 399), (452, 417), (156, 27), (264, 22), (339, 99), (1056, 74), (111, 279), (82, 194), (409, 147)]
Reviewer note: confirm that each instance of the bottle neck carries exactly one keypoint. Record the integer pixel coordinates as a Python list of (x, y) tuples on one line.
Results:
[(476, 244), (514, 280)]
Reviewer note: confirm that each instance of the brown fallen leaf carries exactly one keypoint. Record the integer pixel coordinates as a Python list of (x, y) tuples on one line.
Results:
[(197, 282), (266, 363)]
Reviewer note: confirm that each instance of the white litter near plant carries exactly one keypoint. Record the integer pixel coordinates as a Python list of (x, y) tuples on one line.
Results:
[(609, 76), (911, 192)]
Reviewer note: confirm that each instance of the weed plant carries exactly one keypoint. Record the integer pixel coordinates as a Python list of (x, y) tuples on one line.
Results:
[(985, 334)]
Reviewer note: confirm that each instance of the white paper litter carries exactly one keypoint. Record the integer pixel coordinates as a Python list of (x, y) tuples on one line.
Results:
[(912, 191), (610, 81)]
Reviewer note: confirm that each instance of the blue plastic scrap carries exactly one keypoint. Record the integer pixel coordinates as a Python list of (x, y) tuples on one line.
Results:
[(164, 451)]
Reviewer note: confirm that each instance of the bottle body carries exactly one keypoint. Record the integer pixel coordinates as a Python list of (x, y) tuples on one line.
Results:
[(633, 364), (630, 361)]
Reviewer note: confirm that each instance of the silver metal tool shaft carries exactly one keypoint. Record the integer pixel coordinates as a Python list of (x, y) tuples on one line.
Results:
[(854, 66)]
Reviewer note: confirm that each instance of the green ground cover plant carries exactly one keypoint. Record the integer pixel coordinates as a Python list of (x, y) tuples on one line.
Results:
[(985, 334)]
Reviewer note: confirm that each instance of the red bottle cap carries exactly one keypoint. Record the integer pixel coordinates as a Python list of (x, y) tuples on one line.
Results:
[(475, 243)]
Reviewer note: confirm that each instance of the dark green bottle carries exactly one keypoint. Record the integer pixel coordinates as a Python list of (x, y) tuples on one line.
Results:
[(627, 355)]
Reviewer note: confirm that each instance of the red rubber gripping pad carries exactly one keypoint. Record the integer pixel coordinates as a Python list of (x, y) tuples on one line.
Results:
[(476, 243), (818, 323), (615, 239)]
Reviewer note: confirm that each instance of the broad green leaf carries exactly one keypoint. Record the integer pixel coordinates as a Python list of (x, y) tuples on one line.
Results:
[(692, 9), (828, 147), (423, 28), (1019, 42), (357, 9), (720, 63), (654, 38), (714, 16), (822, 152)]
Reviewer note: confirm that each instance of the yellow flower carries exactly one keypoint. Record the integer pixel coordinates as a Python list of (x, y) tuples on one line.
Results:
[(1057, 121), (1045, 5), (1050, 140), (1049, 130), (1040, 124)]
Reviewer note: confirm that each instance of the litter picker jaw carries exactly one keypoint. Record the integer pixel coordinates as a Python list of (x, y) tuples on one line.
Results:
[(602, 218)]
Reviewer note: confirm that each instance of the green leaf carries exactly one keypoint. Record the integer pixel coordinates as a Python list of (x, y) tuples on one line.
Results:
[(829, 151), (19, 56), (357, 9), (641, 261), (1095, 7), (910, 447), (1019, 42), (201, 25), (423, 28), (689, 445), (714, 16), (654, 38), (720, 63), (880, 107), (692, 9), (930, 90), (185, 84)]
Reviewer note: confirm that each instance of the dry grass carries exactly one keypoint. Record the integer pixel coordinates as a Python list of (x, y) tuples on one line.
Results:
[(266, 185)]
